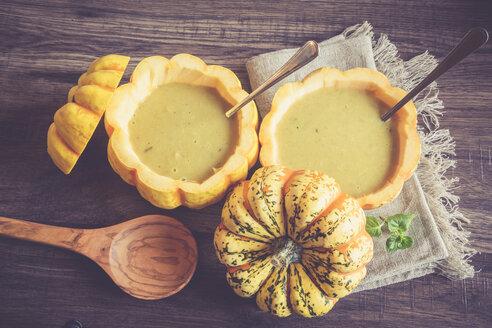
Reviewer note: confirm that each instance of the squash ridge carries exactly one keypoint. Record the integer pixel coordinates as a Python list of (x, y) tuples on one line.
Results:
[(334, 204), (342, 220), (315, 282)]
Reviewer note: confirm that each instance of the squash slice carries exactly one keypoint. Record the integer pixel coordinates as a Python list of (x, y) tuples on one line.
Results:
[(75, 122)]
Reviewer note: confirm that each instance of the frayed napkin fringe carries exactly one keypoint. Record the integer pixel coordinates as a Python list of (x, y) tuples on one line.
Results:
[(438, 148)]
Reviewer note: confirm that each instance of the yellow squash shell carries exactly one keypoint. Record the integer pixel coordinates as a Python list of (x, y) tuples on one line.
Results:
[(76, 121), (358, 78), (163, 191)]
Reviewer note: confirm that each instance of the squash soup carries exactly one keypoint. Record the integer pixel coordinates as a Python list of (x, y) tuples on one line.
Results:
[(180, 131), (338, 131)]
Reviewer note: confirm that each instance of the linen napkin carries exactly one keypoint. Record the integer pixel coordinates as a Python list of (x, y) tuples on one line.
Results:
[(354, 48)]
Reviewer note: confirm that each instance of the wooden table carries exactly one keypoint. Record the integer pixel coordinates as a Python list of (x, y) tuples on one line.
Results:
[(45, 46)]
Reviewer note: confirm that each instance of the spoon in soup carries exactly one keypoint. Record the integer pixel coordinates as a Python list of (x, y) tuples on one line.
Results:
[(150, 257), (303, 56), (474, 39)]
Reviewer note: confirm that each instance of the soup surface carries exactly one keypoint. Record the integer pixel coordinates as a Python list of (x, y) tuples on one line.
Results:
[(338, 131), (180, 131)]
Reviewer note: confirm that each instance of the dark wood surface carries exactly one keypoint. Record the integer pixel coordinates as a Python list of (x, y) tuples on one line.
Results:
[(46, 45)]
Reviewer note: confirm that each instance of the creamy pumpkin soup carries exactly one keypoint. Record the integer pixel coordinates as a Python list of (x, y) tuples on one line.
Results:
[(338, 131), (180, 131)]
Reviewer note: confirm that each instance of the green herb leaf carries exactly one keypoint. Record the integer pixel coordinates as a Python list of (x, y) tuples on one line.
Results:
[(373, 227), (391, 243), (399, 223), (406, 242), (395, 242)]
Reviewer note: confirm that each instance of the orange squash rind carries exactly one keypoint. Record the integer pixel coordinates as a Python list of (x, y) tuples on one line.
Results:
[(162, 191), (359, 78), (75, 122)]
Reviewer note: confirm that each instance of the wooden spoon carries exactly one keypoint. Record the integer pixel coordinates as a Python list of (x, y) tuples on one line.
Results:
[(150, 257)]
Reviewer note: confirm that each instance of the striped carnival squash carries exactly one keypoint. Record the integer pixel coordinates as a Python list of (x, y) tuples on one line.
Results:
[(294, 239)]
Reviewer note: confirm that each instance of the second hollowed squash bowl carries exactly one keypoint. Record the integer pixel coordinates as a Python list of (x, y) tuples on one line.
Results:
[(368, 85)]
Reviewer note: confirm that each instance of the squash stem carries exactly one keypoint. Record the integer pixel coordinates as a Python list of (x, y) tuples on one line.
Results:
[(285, 252)]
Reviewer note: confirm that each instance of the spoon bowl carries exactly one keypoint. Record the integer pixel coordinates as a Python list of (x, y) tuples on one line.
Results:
[(150, 257)]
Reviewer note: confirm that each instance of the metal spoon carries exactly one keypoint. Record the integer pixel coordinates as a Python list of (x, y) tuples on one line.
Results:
[(473, 40), (304, 55), (150, 257)]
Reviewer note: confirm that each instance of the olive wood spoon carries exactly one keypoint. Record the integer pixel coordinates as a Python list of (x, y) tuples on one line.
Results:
[(474, 39), (304, 55), (150, 257)]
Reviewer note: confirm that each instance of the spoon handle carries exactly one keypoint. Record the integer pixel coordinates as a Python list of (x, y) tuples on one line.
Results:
[(304, 55), (41, 233), (473, 40)]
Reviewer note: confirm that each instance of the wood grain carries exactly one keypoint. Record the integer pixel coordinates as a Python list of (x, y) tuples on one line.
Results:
[(46, 45)]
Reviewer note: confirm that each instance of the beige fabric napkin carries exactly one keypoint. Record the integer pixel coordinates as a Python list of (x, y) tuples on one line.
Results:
[(429, 248)]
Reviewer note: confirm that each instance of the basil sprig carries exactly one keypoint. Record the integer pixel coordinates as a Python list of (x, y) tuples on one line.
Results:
[(397, 225)]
